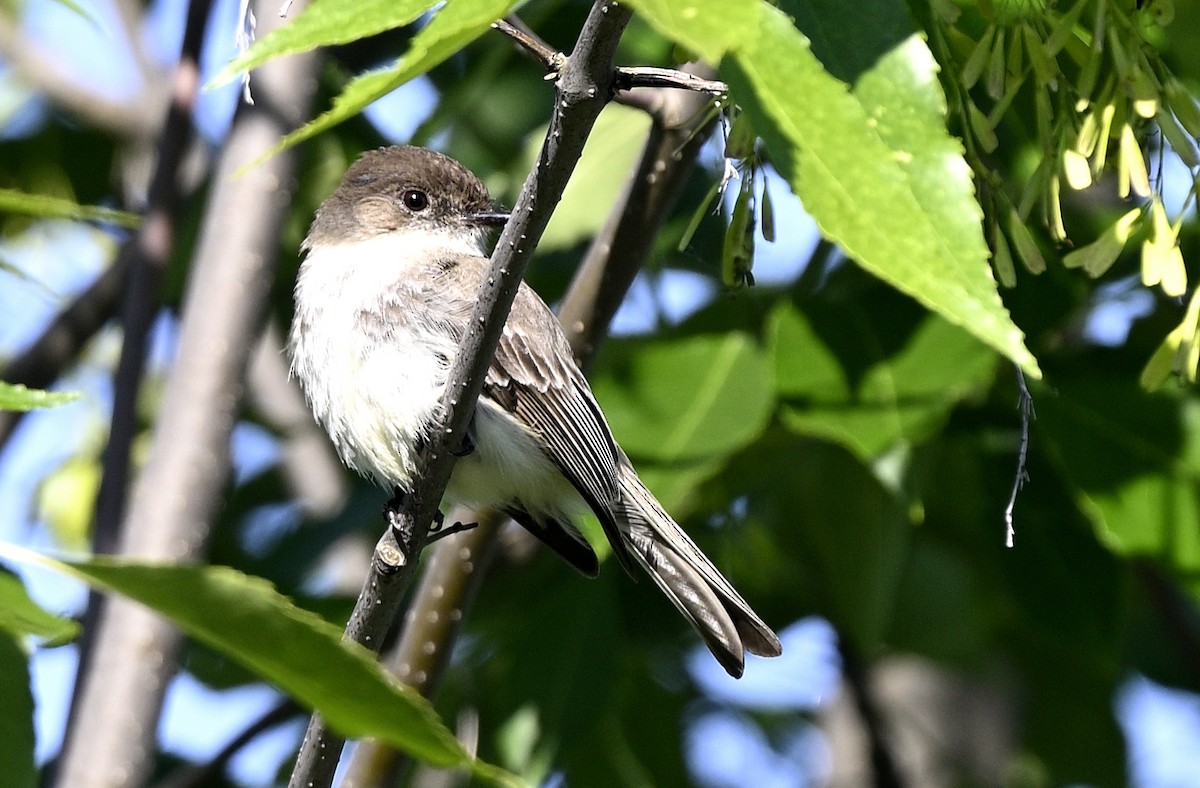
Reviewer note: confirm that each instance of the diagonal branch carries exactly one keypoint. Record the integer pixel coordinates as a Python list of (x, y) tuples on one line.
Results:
[(583, 87)]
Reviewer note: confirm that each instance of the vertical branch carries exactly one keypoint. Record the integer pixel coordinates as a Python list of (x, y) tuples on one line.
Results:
[(112, 736)]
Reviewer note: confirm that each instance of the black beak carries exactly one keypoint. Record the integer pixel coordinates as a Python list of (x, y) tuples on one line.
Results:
[(489, 218)]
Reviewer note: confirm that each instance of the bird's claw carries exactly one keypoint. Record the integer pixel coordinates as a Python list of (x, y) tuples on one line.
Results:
[(440, 530)]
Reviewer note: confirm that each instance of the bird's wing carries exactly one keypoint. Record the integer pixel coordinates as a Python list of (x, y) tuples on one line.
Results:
[(539, 384)]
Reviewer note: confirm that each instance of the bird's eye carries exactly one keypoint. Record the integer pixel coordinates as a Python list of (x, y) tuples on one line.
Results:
[(415, 200)]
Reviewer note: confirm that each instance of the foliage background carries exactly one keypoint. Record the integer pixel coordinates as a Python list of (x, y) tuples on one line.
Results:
[(839, 450)]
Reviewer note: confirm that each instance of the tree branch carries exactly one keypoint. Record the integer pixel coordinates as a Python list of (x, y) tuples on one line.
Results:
[(583, 88), (111, 739), (59, 345)]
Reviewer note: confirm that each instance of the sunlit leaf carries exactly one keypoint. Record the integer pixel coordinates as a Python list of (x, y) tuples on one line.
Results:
[(20, 615), (455, 25), (325, 23), (879, 172), (13, 201), (245, 618), (686, 399), (708, 27), (14, 396)]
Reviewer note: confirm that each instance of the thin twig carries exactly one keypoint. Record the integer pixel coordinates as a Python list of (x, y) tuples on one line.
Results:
[(1025, 406), (583, 88), (629, 78), (550, 58)]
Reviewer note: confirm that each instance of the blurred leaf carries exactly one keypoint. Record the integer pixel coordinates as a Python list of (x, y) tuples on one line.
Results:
[(66, 500), (842, 538), (20, 615), (452, 28), (324, 23), (12, 201), (1134, 459), (14, 396), (708, 27), (303, 655), (612, 151), (685, 399), (16, 719), (940, 611), (879, 172), (902, 397)]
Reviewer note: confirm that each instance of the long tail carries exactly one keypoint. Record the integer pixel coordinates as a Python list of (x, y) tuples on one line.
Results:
[(726, 623)]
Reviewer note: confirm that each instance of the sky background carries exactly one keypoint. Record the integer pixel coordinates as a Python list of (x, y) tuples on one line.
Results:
[(60, 258)]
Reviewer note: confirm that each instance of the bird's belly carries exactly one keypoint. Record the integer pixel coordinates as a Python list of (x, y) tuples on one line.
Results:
[(375, 404), (508, 467)]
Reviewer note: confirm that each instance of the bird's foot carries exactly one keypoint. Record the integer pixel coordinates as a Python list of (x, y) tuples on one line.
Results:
[(465, 447), (440, 530)]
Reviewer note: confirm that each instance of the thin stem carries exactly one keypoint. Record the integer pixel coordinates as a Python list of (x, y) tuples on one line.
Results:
[(1025, 406)]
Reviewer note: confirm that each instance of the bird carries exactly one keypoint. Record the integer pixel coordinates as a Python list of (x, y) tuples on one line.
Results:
[(391, 268)]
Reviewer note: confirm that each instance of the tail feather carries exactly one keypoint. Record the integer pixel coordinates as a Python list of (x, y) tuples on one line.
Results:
[(717, 612)]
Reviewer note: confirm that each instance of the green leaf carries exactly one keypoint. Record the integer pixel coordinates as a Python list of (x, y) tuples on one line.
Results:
[(1134, 459), (325, 23), (708, 27), (13, 201), (14, 396), (612, 150), (685, 399), (16, 720), (840, 538), (901, 398), (20, 615), (245, 618), (456, 25), (879, 172)]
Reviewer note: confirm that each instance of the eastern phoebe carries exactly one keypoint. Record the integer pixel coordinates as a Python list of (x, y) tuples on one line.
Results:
[(393, 264)]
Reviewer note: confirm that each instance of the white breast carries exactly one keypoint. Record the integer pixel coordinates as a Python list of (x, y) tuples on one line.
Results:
[(374, 395)]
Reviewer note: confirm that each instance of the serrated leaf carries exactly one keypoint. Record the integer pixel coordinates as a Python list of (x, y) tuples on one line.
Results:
[(13, 201), (245, 618), (455, 25), (708, 27), (20, 615), (324, 23), (14, 396), (879, 173)]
